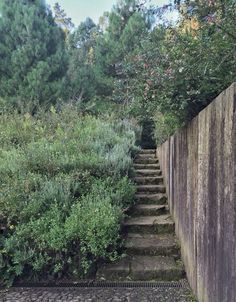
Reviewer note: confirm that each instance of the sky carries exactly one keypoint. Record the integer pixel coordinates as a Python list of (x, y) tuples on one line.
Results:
[(78, 10)]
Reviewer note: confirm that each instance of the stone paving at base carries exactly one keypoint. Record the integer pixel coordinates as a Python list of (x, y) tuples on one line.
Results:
[(96, 295)]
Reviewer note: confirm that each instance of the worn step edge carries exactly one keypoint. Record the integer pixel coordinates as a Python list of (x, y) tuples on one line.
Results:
[(158, 199), (151, 188), (145, 155), (164, 245), (149, 180), (147, 210), (156, 268), (149, 225), (146, 151), (146, 166), (147, 173), (146, 161), (142, 268)]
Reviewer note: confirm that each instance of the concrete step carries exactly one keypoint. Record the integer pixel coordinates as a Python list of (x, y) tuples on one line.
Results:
[(142, 268), (149, 224), (148, 244), (147, 210), (151, 189), (146, 166), (148, 180), (148, 151), (147, 173), (145, 160), (151, 198), (145, 156)]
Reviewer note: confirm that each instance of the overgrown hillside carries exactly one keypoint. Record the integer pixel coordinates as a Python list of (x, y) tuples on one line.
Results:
[(64, 173), (64, 185)]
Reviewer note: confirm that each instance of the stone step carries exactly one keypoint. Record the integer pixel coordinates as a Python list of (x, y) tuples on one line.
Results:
[(148, 172), (151, 189), (142, 268), (147, 210), (146, 166), (151, 198), (149, 224), (148, 244), (148, 180), (145, 156), (148, 151), (146, 160)]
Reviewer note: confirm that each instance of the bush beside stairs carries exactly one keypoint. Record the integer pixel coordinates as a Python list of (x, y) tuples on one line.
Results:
[(152, 250)]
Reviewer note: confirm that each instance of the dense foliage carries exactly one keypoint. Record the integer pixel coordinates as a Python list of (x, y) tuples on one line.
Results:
[(64, 186), (133, 57), (32, 51), (181, 67)]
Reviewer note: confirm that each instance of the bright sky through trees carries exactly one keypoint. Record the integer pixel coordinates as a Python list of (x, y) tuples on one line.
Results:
[(78, 10)]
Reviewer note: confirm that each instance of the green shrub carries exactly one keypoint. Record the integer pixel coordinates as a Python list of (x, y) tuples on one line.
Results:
[(64, 188), (165, 126), (94, 222)]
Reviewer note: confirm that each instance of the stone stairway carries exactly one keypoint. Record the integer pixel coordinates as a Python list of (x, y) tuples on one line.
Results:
[(152, 251)]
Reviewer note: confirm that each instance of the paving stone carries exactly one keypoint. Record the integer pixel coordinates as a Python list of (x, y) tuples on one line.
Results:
[(101, 295)]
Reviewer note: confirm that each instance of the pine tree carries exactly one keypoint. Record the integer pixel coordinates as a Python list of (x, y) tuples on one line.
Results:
[(80, 79), (1, 3), (124, 32), (61, 19), (33, 59)]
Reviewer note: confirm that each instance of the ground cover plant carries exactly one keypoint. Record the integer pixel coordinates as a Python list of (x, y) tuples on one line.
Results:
[(63, 189)]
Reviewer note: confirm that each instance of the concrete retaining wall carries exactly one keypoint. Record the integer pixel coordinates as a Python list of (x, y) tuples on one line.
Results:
[(199, 166)]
